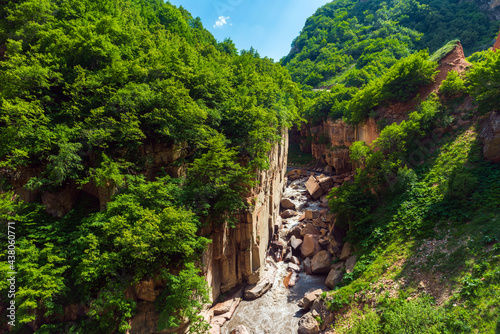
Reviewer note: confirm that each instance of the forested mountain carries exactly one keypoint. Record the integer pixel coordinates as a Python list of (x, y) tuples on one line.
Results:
[(110, 97), (349, 41)]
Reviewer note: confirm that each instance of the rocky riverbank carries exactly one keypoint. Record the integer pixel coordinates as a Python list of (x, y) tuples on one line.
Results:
[(306, 256)]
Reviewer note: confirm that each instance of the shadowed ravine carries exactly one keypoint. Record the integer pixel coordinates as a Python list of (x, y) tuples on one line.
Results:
[(277, 311)]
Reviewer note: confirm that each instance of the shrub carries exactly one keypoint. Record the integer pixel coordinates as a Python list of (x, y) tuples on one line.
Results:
[(452, 85)]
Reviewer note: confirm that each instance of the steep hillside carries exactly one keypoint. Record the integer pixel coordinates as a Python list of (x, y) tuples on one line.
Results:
[(422, 212), (349, 42)]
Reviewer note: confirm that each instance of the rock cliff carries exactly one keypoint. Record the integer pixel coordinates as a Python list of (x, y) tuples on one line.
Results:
[(237, 255)]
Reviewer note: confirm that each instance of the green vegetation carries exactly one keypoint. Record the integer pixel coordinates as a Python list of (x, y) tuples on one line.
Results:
[(91, 95), (422, 214)]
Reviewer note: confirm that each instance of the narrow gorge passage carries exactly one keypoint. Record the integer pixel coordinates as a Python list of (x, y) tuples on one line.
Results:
[(277, 311)]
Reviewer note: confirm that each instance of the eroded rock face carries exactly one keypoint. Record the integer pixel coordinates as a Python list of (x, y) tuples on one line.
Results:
[(490, 135), (237, 255)]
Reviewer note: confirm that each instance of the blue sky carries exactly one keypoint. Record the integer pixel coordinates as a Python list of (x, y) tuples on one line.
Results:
[(268, 25)]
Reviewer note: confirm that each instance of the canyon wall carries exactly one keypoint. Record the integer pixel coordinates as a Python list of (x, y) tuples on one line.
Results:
[(329, 141), (237, 255)]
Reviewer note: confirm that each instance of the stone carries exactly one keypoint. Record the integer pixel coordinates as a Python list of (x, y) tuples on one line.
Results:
[(314, 188), (294, 278), (310, 246), (320, 309), (334, 278), (321, 262), (350, 263), (303, 172), (145, 290), (346, 251), (288, 214), (311, 214), (306, 265), (308, 325), (302, 217), (295, 242), (326, 183), (295, 232), (319, 223), (294, 267), (309, 229), (240, 330), (490, 136), (288, 256), (287, 204), (295, 260), (338, 266), (255, 291), (218, 321), (325, 244), (309, 298)]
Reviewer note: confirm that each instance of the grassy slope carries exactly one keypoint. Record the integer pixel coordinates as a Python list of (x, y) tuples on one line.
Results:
[(444, 277)]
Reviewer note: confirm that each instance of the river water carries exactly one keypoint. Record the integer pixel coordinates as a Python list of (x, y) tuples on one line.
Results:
[(277, 311)]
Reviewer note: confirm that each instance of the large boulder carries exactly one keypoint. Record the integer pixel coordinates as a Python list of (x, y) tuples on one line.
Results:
[(288, 213), (287, 204), (295, 232), (310, 246), (309, 298), (334, 278), (306, 265), (346, 251), (308, 325), (350, 263), (295, 242), (321, 262), (490, 135), (309, 229), (311, 214), (319, 223), (255, 291), (314, 188), (326, 183)]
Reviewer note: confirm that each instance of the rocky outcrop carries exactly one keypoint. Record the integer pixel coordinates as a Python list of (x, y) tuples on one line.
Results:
[(237, 254), (490, 135), (490, 7)]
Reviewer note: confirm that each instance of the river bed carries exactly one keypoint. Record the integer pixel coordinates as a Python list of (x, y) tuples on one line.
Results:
[(277, 312)]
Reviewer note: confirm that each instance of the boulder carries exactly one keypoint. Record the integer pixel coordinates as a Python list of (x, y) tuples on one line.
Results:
[(308, 325), (334, 278), (287, 204), (350, 263), (294, 278), (240, 330), (287, 214), (346, 251), (321, 262), (311, 214), (319, 223), (338, 266), (314, 188), (295, 242), (255, 291), (310, 246), (295, 232), (325, 244), (490, 135), (309, 298), (309, 229), (294, 267), (306, 265), (326, 183), (295, 260), (288, 255)]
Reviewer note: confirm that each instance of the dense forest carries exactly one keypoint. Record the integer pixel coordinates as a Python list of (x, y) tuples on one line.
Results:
[(346, 44), (88, 88)]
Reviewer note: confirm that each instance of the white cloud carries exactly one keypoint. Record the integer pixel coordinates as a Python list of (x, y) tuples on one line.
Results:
[(221, 21)]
